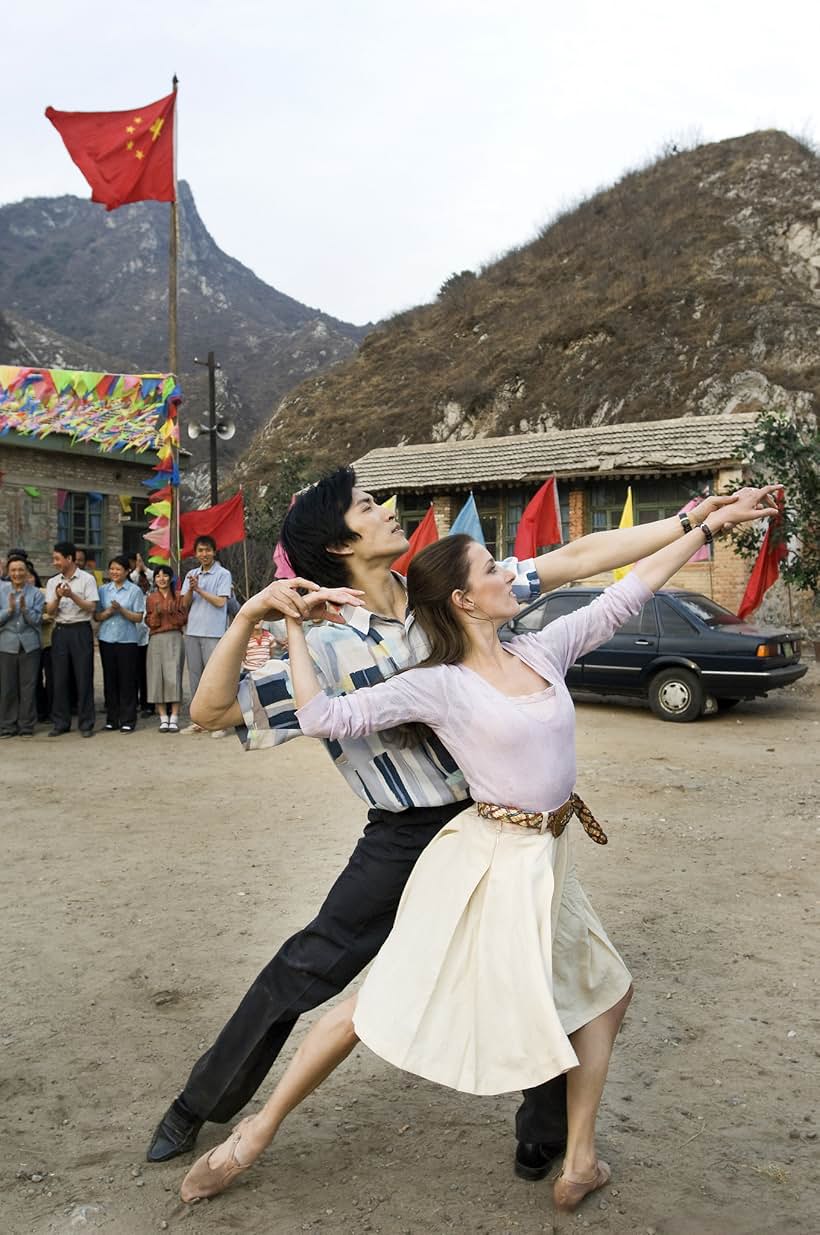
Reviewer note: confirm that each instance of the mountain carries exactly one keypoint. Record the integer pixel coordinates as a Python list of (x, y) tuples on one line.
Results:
[(102, 279), (691, 286)]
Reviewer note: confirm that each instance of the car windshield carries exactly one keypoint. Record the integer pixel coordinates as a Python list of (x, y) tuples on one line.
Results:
[(705, 609)]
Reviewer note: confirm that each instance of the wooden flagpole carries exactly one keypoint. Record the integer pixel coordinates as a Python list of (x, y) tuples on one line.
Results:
[(173, 344)]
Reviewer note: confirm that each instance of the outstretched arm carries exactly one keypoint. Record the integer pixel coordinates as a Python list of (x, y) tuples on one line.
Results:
[(601, 551), (579, 632), (215, 705)]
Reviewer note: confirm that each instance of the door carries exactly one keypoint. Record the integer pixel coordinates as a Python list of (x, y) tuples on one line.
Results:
[(619, 663)]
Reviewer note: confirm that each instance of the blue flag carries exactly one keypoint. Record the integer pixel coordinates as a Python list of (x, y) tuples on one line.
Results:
[(468, 522)]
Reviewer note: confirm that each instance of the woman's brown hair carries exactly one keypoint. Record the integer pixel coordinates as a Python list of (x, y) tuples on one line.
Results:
[(433, 576)]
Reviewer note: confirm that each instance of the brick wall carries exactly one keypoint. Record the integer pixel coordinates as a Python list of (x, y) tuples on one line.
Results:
[(32, 521)]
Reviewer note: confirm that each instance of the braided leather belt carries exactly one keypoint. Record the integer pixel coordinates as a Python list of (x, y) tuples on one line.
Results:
[(554, 822)]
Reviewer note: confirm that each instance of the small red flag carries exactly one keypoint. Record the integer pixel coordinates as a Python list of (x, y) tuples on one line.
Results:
[(765, 571), (425, 534), (126, 156), (225, 522), (540, 523)]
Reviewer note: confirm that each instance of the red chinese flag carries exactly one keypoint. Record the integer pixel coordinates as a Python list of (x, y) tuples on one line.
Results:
[(126, 156), (765, 572), (540, 523), (225, 522), (425, 534)]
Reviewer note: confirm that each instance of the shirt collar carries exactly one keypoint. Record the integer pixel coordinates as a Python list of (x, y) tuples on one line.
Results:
[(360, 618)]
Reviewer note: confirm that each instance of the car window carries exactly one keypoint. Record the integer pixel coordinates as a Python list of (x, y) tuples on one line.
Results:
[(530, 621), (560, 606), (674, 623), (705, 609)]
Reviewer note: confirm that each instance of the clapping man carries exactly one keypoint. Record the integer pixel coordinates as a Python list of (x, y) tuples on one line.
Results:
[(71, 599), (205, 593)]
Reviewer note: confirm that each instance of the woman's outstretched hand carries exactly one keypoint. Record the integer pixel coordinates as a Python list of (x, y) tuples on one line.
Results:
[(747, 505)]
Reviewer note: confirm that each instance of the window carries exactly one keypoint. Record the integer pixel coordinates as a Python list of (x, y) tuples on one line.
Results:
[(707, 610), (674, 623), (655, 498), (81, 521), (560, 606), (515, 502), (489, 512), (412, 507), (134, 526)]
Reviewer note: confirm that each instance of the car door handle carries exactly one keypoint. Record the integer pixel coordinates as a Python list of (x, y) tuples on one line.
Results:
[(644, 643)]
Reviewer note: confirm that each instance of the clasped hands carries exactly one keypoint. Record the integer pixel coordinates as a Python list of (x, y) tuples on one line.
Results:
[(299, 599), (741, 507)]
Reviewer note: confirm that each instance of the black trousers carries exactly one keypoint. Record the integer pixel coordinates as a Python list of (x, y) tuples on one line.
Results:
[(45, 686), (318, 962), (120, 666), (72, 656)]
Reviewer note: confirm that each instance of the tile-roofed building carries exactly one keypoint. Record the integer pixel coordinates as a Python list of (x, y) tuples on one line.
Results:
[(650, 448), (665, 462)]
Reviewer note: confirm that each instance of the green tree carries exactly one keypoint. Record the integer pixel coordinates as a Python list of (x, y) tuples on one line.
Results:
[(265, 507), (786, 448)]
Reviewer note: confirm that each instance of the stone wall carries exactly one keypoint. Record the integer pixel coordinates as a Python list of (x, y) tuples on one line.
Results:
[(31, 522)]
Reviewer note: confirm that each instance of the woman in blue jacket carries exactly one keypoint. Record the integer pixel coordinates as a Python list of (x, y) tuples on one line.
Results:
[(21, 615)]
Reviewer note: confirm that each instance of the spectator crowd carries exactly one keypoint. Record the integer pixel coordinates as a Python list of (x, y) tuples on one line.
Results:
[(147, 630)]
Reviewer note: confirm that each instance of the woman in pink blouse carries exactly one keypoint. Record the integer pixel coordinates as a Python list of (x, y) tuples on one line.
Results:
[(498, 974)]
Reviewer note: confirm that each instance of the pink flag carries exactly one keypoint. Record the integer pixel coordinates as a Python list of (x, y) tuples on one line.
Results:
[(284, 570), (702, 554)]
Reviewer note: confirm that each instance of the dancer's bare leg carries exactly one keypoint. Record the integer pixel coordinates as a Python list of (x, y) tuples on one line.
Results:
[(585, 1084), (329, 1042)]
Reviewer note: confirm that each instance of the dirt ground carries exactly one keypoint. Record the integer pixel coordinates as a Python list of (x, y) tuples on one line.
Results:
[(145, 880)]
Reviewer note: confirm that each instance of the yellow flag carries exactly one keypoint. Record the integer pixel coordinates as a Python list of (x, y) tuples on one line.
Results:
[(390, 504), (125, 503), (627, 520)]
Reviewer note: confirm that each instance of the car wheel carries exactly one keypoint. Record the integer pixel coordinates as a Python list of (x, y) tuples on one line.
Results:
[(676, 694), (725, 704)]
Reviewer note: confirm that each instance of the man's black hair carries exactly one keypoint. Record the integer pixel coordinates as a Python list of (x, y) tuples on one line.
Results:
[(315, 522), (66, 549), (205, 540)]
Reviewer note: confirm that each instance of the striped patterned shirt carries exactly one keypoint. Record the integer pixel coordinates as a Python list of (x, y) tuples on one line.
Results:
[(366, 649)]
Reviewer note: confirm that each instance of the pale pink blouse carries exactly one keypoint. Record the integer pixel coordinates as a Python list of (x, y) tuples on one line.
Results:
[(510, 752)]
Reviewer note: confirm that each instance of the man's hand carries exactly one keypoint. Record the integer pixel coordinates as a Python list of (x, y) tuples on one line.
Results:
[(22, 602), (279, 599), (114, 606), (317, 602), (11, 602)]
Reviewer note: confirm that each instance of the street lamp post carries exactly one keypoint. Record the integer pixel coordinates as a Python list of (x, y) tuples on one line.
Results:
[(223, 429)]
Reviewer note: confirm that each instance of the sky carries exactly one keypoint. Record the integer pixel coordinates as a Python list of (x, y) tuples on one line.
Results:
[(355, 153)]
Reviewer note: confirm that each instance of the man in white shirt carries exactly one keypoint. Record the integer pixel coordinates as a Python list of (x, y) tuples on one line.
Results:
[(71, 599), (205, 593)]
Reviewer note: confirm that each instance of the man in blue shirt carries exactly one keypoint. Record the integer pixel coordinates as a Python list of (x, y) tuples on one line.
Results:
[(119, 613), (205, 592)]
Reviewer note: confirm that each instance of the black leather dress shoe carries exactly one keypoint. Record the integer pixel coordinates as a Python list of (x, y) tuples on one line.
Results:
[(533, 1161), (175, 1134)]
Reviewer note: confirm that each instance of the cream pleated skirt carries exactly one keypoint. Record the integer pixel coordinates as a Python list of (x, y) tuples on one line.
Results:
[(496, 956)]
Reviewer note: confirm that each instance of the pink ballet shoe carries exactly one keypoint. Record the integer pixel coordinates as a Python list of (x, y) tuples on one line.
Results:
[(567, 1194), (204, 1180)]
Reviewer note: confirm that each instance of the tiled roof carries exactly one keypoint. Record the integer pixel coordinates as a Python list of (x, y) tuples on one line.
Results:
[(682, 444)]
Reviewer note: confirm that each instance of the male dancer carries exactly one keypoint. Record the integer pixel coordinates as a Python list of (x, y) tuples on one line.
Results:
[(336, 535)]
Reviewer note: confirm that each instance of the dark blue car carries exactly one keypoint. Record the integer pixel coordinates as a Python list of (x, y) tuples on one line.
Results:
[(687, 655)]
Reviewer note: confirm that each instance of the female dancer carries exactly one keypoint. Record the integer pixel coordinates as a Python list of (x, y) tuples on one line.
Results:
[(165, 617), (498, 974)]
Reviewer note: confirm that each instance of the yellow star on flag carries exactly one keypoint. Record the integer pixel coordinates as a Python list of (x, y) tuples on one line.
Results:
[(138, 120), (140, 155), (156, 128), (129, 128), (129, 145)]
